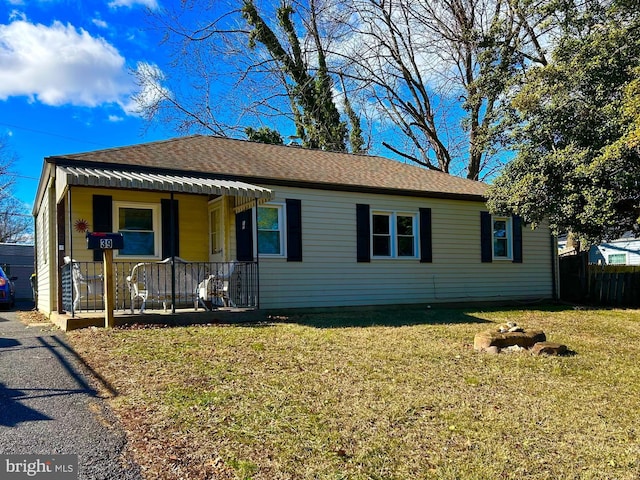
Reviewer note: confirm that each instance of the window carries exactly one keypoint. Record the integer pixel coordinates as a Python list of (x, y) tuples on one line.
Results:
[(381, 235), (270, 230), (406, 238), (215, 229), (501, 238), (138, 224), (393, 235), (617, 259)]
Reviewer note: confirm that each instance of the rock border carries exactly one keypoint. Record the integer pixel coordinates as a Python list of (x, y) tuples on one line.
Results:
[(510, 337)]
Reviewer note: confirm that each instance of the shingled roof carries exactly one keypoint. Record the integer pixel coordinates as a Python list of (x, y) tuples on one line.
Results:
[(278, 165)]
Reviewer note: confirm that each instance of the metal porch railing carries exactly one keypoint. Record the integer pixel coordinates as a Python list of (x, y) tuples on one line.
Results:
[(151, 285)]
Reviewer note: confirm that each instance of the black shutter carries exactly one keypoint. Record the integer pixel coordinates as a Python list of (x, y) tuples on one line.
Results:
[(426, 247), (363, 233), (486, 237), (244, 236), (102, 218), (517, 238), (170, 231), (294, 230)]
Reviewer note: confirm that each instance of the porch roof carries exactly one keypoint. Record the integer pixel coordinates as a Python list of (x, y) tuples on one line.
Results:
[(104, 177)]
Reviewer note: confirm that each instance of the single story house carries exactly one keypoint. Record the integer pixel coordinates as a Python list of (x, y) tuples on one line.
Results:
[(309, 228)]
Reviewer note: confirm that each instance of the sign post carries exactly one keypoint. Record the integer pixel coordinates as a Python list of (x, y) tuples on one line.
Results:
[(107, 242)]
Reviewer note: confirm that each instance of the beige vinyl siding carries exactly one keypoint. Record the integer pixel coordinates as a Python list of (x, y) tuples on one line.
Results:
[(45, 254), (330, 276)]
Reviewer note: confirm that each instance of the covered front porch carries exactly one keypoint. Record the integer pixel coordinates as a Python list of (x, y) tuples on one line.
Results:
[(179, 232), (171, 284), (159, 318)]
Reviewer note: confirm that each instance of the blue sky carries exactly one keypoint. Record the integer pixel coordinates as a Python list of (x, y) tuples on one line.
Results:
[(65, 82)]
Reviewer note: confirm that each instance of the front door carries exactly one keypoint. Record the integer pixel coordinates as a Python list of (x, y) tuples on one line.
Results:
[(216, 231)]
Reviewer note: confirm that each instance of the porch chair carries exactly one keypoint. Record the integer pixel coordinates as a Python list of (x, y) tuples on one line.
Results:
[(137, 284), (153, 280), (78, 280), (215, 288)]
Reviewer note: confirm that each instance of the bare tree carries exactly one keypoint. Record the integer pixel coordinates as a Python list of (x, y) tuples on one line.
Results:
[(438, 71), (432, 75), (16, 225), (267, 67)]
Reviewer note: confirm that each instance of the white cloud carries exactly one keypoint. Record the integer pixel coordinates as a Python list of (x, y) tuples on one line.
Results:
[(115, 118), (98, 22), (60, 65), (152, 4)]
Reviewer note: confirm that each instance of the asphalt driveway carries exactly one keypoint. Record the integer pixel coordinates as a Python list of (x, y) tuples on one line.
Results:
[(49, 404)]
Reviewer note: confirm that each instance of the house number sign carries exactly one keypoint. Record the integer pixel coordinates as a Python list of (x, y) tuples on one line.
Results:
[(104, 241)]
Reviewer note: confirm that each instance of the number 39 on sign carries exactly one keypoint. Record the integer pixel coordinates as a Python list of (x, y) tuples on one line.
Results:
[(104, 241)]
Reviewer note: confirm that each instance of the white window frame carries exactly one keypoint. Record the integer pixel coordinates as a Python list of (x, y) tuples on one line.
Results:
[(393, 233), (509, 237), (282, 222), (157, 226), (623, 254)]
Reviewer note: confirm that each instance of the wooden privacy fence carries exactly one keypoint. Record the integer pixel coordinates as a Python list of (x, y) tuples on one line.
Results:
[(614, 285), (609, 285)]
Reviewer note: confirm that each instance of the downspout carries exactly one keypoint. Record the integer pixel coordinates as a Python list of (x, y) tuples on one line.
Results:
[(554, 271), (255, 236)]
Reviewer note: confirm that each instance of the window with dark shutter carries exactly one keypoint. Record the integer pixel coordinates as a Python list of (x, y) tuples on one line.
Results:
[(500, 238)]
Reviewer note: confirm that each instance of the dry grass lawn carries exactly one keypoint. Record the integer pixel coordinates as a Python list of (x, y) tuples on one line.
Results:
[(384, 394)]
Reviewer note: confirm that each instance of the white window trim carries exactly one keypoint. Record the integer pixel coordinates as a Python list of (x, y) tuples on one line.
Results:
[(282, 222), (393, 232), (626, 258), (509, 225), (157, 227)]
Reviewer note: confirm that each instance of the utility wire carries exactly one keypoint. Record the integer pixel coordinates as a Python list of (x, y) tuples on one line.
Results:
[(42, 132)]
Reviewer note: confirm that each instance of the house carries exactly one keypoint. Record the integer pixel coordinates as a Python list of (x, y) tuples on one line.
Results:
[(622, 251), (17, 261), (318, 229)]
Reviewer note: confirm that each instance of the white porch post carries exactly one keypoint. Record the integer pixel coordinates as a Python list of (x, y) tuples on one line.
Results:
[(257, 256)]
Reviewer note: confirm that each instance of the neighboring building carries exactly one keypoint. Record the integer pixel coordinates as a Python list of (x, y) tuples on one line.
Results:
[(332, 229), (17, 261), (622, 251)]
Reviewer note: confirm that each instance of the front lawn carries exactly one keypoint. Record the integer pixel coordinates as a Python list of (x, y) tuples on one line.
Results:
[(384, 394)]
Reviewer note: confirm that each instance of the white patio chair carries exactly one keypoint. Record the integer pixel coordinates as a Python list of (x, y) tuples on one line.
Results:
[(78, 280), (216, 286)]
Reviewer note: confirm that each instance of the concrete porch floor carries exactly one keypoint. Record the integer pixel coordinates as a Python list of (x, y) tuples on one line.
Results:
[(186, 316)]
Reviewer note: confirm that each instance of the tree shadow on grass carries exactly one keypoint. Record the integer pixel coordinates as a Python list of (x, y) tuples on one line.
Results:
[(379, 317), (346, 317), (390, 316)]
